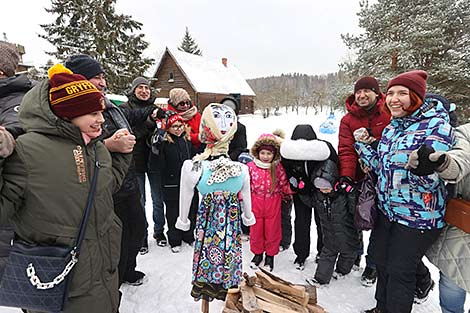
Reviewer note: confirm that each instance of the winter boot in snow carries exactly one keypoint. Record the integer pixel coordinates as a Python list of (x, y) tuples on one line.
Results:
[(299, 263), (135, 279), (269, 262), (357, 264), (315, 282), (422, 294), (161, 239), (373, 310), (176, 249), (337, 275), (256, 261), (368, 277)]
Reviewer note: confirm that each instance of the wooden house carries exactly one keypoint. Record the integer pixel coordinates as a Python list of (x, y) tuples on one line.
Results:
[(206, 81)]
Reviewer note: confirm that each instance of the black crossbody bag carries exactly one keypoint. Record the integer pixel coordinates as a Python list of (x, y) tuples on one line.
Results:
[(36, 277)]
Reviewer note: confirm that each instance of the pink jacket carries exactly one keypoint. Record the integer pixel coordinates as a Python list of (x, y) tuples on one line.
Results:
[(260, 182)]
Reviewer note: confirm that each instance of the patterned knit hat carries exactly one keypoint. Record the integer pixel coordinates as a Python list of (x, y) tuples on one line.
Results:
[(413, 80), (172, 118), (71, 95), (367, 82), (9, 58), (178, 95)]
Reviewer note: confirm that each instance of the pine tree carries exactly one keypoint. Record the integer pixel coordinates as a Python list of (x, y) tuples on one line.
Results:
[(189, 45), (401, 35), (94, 28)]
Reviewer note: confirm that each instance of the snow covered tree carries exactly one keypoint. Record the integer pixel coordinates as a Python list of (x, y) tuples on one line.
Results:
[(401, 35), (94, 28), (189, 45)]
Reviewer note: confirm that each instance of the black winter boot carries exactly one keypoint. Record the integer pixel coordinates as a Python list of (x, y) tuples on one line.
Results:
[(256, 261), (269, 262)]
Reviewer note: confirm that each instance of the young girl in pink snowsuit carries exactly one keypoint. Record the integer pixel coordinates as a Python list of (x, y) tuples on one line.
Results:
[(268, 186)]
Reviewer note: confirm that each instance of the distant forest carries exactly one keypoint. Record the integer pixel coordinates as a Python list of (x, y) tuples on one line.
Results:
[(300, 93)]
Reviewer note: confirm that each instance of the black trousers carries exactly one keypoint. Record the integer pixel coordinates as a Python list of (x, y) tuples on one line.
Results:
[(302, 223), (130, 212), (171, 199), (397, 252), (286, 223)]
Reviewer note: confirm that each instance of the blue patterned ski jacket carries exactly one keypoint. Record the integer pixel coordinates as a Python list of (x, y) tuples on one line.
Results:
[(414, 201)]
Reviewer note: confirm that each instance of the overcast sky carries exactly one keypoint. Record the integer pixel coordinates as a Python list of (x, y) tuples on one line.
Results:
[(260, 37)]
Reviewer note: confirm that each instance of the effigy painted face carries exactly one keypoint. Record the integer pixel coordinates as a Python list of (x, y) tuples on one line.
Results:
[(224, 118)]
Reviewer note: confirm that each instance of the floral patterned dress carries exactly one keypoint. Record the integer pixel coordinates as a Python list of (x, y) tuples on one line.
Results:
[(217, 262)]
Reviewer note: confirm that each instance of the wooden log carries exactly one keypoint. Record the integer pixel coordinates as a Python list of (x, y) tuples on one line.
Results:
[(227, 310), (276, 278), (315, 308), (249, 299), (250, 280), (278, 300), (312, 294), (274, 308), (233, 295), (231, 307), (279, 287)]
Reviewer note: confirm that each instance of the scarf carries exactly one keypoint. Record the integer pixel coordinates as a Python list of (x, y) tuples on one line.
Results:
[(222, 169), (262, 164), (188, 114)]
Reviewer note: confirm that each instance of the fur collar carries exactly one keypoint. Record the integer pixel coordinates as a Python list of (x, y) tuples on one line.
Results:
[(301, 149)]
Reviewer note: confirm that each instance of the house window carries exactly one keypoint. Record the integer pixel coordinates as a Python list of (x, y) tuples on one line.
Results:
[(171, 79)]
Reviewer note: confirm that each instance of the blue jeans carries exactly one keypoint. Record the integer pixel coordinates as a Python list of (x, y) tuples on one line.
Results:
[(451, 296), (157, 199)]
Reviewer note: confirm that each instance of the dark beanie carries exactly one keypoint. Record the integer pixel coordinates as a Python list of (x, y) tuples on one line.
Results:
[(85, 65), (413, 80), (139, 81), (367, 82)]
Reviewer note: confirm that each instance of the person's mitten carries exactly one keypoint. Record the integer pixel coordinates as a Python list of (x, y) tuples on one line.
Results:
[(346, 184), (7, 143), (362, 135), (421, 164)]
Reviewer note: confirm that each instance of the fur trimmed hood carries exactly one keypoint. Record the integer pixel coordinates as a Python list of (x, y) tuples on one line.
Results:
[(308, 150), (266, 140)]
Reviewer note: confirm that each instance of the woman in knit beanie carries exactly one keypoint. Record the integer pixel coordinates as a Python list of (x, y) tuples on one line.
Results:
[(47, 180), (217, 258), (411, 206)]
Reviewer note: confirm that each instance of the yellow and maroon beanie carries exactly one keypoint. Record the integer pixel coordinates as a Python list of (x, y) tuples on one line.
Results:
[(71, 95)]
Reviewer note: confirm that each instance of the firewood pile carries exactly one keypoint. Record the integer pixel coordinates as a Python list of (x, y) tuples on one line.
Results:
[(266, 292)]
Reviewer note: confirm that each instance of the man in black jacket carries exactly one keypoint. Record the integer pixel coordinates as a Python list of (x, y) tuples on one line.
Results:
[(12, 89)]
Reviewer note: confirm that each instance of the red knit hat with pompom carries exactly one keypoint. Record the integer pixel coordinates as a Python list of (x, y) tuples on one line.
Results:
[(413, 80)]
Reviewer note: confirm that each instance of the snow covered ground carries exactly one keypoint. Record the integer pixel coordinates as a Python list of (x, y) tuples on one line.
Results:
[(168, 282)]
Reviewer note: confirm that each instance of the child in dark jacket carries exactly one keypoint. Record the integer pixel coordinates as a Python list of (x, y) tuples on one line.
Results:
[(300, 154), (173, 150), (340, 239)]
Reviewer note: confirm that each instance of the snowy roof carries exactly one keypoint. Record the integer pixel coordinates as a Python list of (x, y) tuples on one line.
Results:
[(209, 76)]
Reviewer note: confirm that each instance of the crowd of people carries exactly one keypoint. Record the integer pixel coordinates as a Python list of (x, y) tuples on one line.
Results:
[(205, 184)]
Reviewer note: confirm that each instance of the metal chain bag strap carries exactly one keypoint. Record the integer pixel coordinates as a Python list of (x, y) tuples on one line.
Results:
[(36, 277)]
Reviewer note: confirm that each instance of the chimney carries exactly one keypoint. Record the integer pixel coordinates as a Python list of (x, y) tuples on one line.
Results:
[(224, 61)]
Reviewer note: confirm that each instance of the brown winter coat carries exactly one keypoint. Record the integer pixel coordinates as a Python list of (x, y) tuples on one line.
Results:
[(44, 188)]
